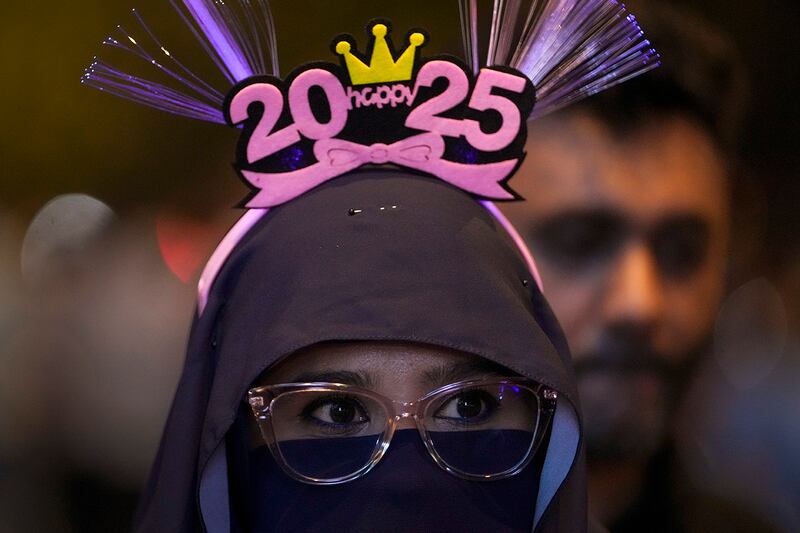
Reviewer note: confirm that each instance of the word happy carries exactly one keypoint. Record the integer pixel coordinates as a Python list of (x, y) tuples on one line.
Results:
[(380, 96)]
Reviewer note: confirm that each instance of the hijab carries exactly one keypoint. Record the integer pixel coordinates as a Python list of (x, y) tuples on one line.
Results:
[(378, 255)]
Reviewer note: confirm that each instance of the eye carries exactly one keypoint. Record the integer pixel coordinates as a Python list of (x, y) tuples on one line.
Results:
[(680, 247), (336, 411), (468, 407), (579, 240)]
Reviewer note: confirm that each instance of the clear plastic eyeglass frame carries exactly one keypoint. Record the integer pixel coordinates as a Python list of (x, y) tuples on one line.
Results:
[(262, 399)]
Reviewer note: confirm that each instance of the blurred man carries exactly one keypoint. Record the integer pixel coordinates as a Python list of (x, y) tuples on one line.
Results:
[(629, 216)]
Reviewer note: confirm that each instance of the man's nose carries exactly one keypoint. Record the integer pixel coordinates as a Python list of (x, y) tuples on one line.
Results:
[(634, 294)]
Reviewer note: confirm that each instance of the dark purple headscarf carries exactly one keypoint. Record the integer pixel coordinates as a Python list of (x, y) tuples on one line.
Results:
[(433, 266)]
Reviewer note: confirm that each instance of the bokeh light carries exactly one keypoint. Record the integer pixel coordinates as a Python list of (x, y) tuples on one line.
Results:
[(60, 231), (751, 332)]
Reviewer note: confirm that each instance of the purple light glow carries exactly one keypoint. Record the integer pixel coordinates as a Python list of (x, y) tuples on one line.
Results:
[(464, 152), (570, 49), (238, 36), (518, 240), (218, 35), (293, 158)]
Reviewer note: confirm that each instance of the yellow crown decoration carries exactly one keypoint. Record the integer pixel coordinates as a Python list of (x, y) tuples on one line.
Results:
[(382, 67)]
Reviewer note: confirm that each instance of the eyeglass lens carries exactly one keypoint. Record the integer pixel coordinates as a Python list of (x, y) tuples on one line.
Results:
[(484, 430), (479, 430), (327, 434)]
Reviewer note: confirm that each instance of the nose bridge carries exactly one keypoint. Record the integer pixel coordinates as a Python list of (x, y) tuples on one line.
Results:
[(405, 414), (635, 290)]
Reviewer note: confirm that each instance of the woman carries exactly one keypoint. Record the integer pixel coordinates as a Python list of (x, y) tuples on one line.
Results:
[(381, 309), (375, 354)]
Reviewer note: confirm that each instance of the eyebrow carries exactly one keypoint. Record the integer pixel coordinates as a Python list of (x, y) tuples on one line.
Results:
[(346, 377), (688, 221), (597, 214), (446, 374), (434, 377), (610, 214)]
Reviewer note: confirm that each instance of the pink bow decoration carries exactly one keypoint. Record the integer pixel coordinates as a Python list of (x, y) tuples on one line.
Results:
[(420, 152)]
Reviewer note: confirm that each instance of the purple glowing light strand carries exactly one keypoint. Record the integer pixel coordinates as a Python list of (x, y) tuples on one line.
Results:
[(503, 33), (518, 240), (208, 19), (249, 35), (194, 98), (600, 78), (560, 23), (271, 33), (191, 81), (259, 24), (222, 252), (197, 83), (594, 74), (588, 29), (238, 35), (604, 41), (594, 52), (240, 25), (600, 61), (107, 79), (570, 49), (239, 40), (468, 9)]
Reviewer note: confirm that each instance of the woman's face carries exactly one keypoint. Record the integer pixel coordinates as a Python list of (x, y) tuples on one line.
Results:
[(331, 433)]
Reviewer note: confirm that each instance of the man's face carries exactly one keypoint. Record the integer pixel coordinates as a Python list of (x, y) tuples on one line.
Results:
[(630, 233)]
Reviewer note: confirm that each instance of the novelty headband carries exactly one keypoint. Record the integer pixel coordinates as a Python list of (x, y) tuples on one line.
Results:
[(463, 124)]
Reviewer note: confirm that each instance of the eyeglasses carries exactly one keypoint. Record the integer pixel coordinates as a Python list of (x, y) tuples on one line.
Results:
[(331, 433)]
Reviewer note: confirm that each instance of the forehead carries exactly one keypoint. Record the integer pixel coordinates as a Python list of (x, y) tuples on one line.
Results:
[(576, 162), (380, 362)]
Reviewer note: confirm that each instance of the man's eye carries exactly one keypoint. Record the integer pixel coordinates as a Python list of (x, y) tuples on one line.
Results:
[(575, 242), (468, 407), (680, 248)]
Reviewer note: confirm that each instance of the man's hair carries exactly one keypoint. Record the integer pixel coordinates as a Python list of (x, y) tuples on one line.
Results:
[(700, 77)]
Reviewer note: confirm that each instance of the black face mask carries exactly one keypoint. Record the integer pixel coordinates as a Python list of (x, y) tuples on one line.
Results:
[(406, 491)]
